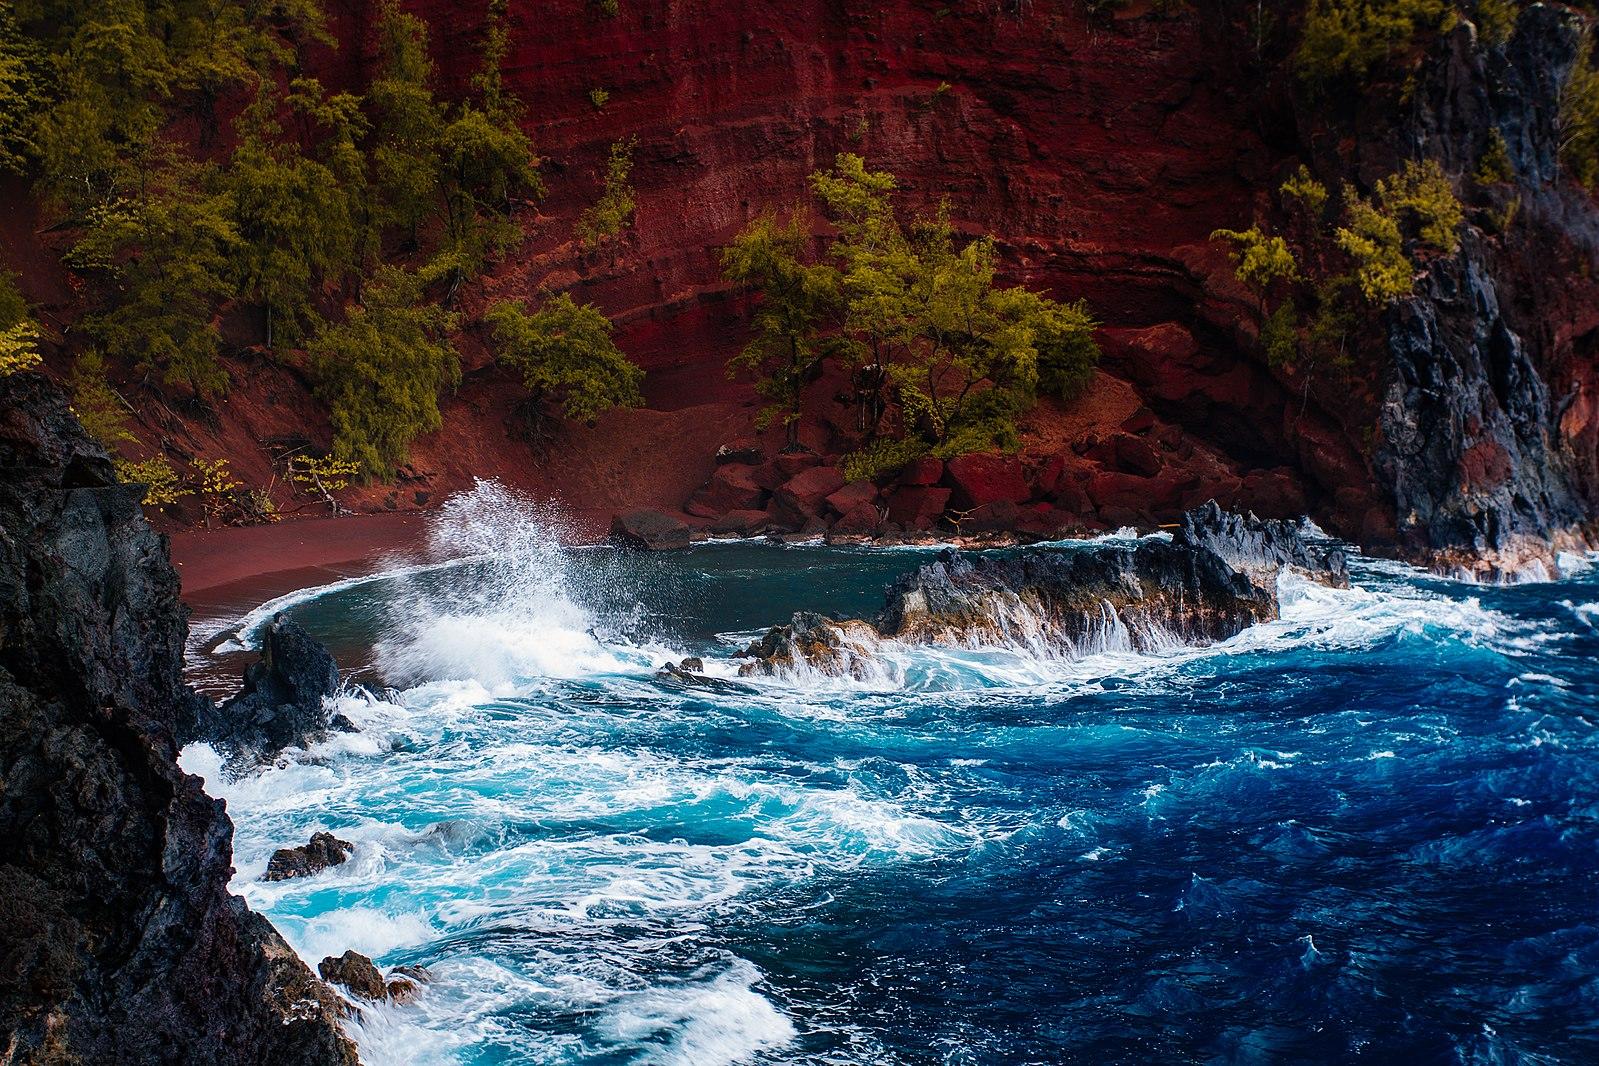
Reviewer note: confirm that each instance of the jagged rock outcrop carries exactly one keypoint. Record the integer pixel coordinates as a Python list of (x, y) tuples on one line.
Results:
[(812, 642), (1261, 547), (119, 940), (1487, 421), (323, 850), (284, 701), (1212, 580)]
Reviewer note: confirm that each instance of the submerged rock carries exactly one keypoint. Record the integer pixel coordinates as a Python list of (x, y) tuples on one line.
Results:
[(121, 941), (324, 850), (284, 701)]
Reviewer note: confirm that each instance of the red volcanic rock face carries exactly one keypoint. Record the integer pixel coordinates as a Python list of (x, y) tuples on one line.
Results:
[(978, 480)]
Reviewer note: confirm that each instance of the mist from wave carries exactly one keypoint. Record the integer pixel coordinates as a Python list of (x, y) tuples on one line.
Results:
[(1366, 828)]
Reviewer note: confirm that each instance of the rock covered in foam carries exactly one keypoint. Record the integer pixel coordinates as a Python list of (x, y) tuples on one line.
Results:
[(812, 642), (1214, 579), (323, 850)]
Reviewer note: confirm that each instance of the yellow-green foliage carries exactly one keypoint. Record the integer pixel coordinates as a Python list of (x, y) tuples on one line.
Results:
[(1350, 37), (883, 456), (565, 353), (160, 480), (22, 93), (1579, 117), (1422, 192), (19, 337), (380, 372), (1305, 190), (1496, 20), (95, 403), (613, 211), (1372, 239), (214, 485), (1279, 335), (1495, 168), (599, 97), (18, 348), (1261, 259), (327, 474)]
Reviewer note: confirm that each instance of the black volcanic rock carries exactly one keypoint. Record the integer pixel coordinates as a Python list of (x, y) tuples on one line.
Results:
[(355, 972), (1255, 544), (283, 703), (1212, 580), (121, 942), (323, 850), (649, 531)]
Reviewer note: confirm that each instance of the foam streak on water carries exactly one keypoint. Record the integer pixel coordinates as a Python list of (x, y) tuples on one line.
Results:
[(1366, 830)]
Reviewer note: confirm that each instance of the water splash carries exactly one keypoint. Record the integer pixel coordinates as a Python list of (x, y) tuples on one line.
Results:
[(525, 612)]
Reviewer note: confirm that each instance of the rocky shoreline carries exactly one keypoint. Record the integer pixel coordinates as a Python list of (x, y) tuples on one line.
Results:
[(123, 943)]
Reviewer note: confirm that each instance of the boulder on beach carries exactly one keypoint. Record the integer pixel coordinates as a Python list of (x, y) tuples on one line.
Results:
[(649, 531)]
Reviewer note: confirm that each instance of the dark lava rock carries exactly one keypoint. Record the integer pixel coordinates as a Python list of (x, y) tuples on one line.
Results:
[(323, 851), (649, 531), (1253, 544), (283, 703), (355, 972), (744, 450), (122, 943), (812, 642)]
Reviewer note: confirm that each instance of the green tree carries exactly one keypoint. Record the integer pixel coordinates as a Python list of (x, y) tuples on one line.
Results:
[(22, 94), (613, 211), (797, 297), (293, 215), (565, 355), (1347, 38), (380, 372), (168, 257), (1262, 260), (406, 163), (96, 403)]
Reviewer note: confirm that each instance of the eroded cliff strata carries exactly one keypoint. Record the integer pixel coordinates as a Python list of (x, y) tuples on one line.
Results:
[(119, 940)]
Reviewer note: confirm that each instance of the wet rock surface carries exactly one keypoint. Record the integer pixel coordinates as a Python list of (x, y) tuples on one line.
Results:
[(322, 851), (284, 701), (1212, 580), (649, 531), (122, 941)]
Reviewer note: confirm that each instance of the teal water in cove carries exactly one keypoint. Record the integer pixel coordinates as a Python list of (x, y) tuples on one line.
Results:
[(1367, 832)]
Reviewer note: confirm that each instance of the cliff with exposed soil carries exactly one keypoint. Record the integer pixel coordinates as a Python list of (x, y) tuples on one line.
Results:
[(1102, 152), (119, 940)]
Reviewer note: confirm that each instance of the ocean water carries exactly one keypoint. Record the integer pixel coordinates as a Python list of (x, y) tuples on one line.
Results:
[(1367, 832)]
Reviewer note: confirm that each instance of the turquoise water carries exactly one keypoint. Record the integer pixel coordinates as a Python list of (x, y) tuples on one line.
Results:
[(1366, 832)]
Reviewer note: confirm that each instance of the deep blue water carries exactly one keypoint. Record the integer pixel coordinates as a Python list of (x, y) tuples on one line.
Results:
[(1367, 832)]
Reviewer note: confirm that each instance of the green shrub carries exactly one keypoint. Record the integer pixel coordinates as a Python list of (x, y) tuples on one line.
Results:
[(885, 455), (95, 403), (1347, 38), (1421, 192), (613, 211), (1372, 239), (565, 354), (1579, 118), (1494, 166)]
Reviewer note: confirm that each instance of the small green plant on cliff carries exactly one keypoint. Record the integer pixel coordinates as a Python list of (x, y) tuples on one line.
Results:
[(613, 211), (1348, 38), (156, 474), (599, 97), (1303, 189), (1262, 260), (1579, 117), (1373, 241), (380, 372), (1422, 195), (606, 8), (96, 403), (565, 355), (882, 456), (1494, 166), (19, 337), (1496, 20)]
